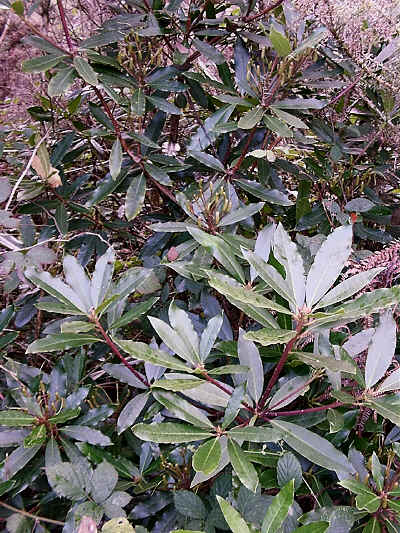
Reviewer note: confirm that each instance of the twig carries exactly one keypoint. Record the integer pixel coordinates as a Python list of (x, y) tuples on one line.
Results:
[(64, 24), (264, 12), (297, 412), (14, 190), (30, 515), (5, 29)]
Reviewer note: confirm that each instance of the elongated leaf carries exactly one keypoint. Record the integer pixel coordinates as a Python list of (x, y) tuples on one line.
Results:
[(42, 63), (255, 434), (177, 385), (251, 118), (208, 160), (102, 277), (158, 173), (233, 407), (76, 278), (135, 312), (250, 357), (269, 274), (268, 336), (279, 508), (290, 390), (388, 406), (17, 460), (143, 352), (321, 361), (348, 287), (232, 517), (164, 105), (138, 102), (328, 263), (242, 466), (391, 383), (135, 197), (131, 411), (272, 196), (228, 287), (182, 409), (15, 418), (61, 341), (86, 434), (240, 214), (170, 433), (288, 255), (220, 250), (115, 162), (61, 82), (315, 448), (262, 316), (173, 340), (207, 456), (184, 328), (381, 349), (209, 51), (280, 42), (57, 288), (209, 336), (85, 71)]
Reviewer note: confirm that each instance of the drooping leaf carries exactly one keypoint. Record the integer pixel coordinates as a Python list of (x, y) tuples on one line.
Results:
[(115, 162), (85, 71), (61, 82), (249, 356), (61, 341), (232, 517), (242, 466), (131, 411), (381, 349), (279, 508), (135, 197)]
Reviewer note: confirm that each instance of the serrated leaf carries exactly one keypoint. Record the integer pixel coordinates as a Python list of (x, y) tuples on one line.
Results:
[(207, 456), (189, 504), (232, 517), (391, 383), (67, 480), (209, 51), (103, 482), (329, 363), (17, 460), (115, 162), (388, 406), (272, 196), (279, 509), (170, 433), (242, 466), (289, 468)]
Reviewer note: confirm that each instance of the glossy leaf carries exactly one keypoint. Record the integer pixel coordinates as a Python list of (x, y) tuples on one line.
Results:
[(232, 517), (242, 466), (115, 162), (381, 349), (170, 432), (135, 197), (207, 456), (279, 508)]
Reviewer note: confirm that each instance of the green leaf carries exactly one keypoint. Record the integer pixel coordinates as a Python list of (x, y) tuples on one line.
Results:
[(115, 162), (268, 336), (17, 460), (313, 527), (232, 517), (177, 384), (249, 356), (328, 263), (65, 415), (42, 63), (209, 51), (329, 363), (103, 482), (37, 437), (231, 289), (277, 126), (183, 326), (60, 341), (391, 383), (372, 526), (143, 352), (242, 466), (207, 456), (388, 406), (135, 312), (251, 118), (189, 504), (170, 433), (255, 434), (292, 120), (85, 71), (269, 274), (209, 336), (144, 140), (15, 418), (240, 214), (279, 509), (289, 468), (61, 82), (182, 409), (102, 276), (220, 250), (381, 349), (369, 502), (164, 105), (86, 434), (159, 174), (335, 419), (288, 392), (138, 102), (272, 196), (18, 7), (313, 447), (67, 480), (280, 43), (131, 411), (135, 197), (207, 159), (118, 525), (76, 326), (348, 287)]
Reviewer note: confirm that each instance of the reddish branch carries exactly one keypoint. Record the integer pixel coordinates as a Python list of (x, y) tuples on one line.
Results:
[(64, 24)]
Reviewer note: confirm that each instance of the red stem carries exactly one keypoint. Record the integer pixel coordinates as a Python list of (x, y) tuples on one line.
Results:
[(64, 24), (115, 350), (295, 412), (264, 12)]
